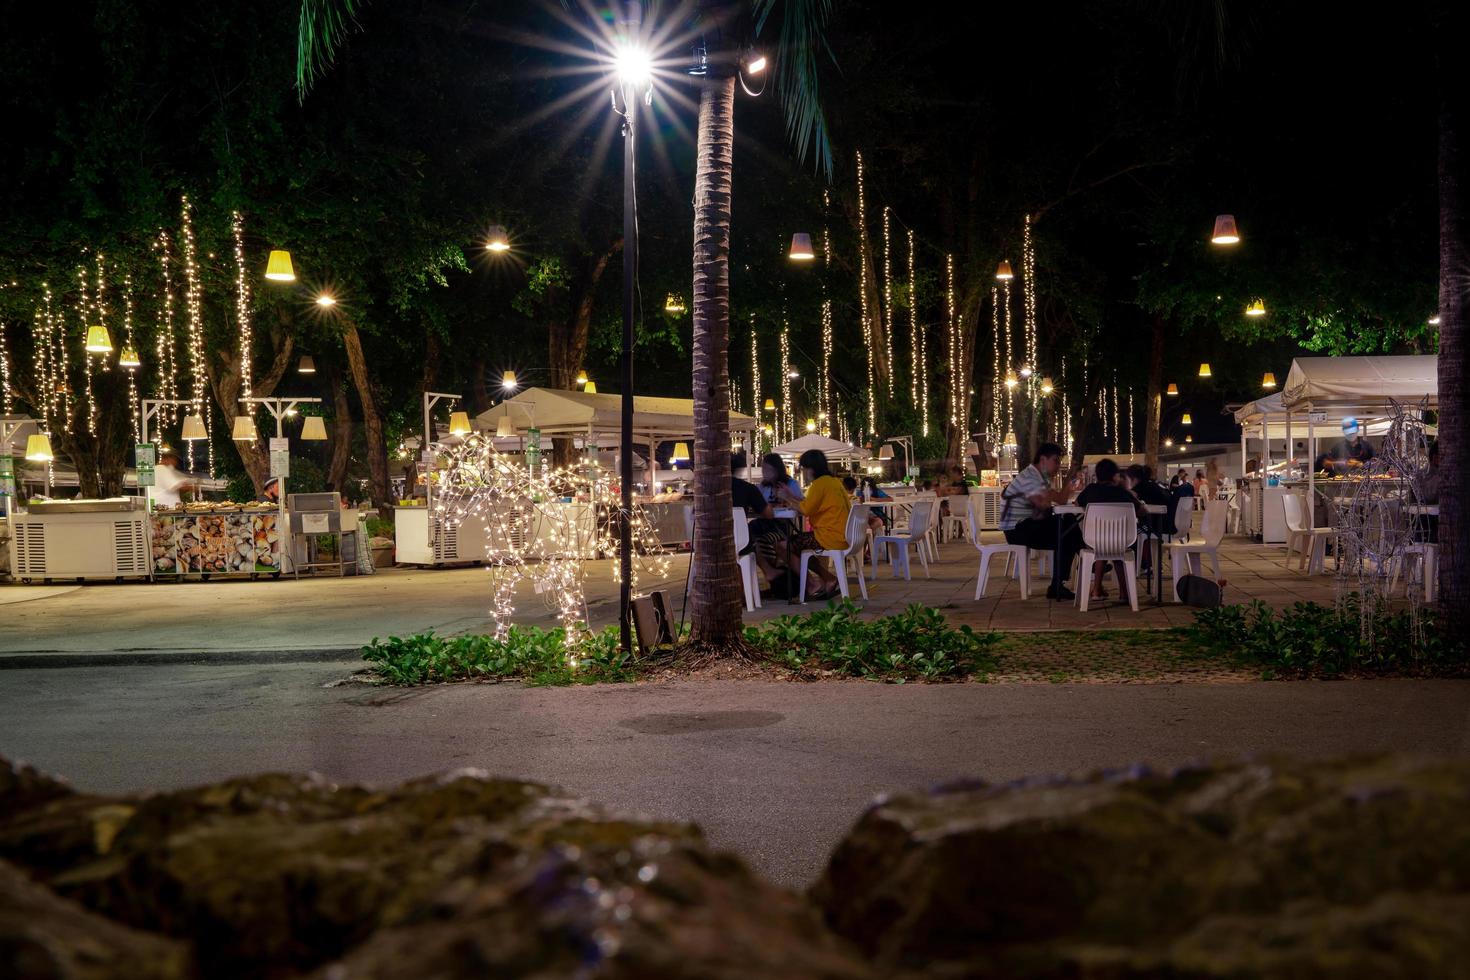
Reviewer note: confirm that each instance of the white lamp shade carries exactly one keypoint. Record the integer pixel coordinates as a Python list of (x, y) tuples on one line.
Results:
[(1003, 271), (38, 448), (505, 428), (885, 452), (306, 365), (801, 247), (244, 430), (459, 424), (314, 429), (129, 358), (193, 428), (1225, 232)]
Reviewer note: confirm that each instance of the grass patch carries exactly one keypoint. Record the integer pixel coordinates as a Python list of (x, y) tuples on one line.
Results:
[(917, 644)]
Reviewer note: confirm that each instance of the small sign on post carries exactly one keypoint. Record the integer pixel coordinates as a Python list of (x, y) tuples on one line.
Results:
[(146, 455), (1317, 417), (280, 448)]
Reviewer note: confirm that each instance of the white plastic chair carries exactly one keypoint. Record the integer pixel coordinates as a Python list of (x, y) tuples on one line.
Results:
[(915, 536), (746, 562), (1426, 555), (1217, 515), (1107, 532), (1309, 542), (857, 536)]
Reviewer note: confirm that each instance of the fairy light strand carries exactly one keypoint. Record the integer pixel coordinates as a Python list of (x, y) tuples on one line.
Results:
[(825, 391), (128, 342), (888, 299), (755, 378), (996, 425), (952, 346), (785, 415), (164, 350), (1028, 300), (868, 337), (1008, 348), (242, 302), (87, 314), (6, 404), (193, 302)]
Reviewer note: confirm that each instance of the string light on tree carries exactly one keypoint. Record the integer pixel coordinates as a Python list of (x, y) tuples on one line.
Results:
[(869, 339), (242, 302), (6, 404), (1028, 297), (1008, 347), (755, 371), (129, 349), (785, 415), (825, 391), (995, 429), (888, 299), (86, 314), (164, 349), (193, 305)]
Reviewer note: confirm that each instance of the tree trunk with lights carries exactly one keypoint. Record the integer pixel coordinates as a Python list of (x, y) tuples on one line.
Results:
[(1454, 291), (380, 486), (1154, 407), (968, 329), (715, 601), (227, 383)]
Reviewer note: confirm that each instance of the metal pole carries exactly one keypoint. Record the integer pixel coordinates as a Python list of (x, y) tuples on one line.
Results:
[(630, 268)]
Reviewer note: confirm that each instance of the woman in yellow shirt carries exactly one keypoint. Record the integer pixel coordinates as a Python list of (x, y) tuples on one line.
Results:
[(826, 506)]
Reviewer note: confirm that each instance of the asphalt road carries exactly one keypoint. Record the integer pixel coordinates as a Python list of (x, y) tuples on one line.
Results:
[(775, 771)]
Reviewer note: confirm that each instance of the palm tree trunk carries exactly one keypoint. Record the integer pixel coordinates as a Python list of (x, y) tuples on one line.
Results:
[(715, 603), (1454, 284), (372, 423), (1155, 405)]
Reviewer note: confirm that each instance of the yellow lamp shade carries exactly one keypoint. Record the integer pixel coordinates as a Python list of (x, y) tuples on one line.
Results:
[(1010, 439), (1046, 386), (674, 303), (811, 425), (1257, 308), (1269, 381), (505, 428), (508, 379), (770, 404), (99, 341), (1204, 370), (1003, 271), (244, 429), (681, 452), (801, 247), (590, 387), (278, 267), (885, 452), (581, 378), (38, 448), (1225, 232), (193, 428), (459, 424), (306, 365), (1173, 390), (1189, 438), (496, 240), (1187, 420), (768, 430), (129, 358), (314, 429)]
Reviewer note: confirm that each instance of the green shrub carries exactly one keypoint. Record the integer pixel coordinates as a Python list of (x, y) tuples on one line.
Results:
[(528, 653), (380, 527), (917, 644), (1308, 639)]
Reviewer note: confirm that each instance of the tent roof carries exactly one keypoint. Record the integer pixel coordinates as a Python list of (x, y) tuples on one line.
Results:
[(1251, 412), (1359, 384), (835, 449), (555, 411)]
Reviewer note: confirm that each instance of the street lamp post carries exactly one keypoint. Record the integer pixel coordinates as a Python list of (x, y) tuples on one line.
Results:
[(633, 78)]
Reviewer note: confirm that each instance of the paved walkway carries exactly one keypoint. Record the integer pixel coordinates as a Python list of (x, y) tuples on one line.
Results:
[(290, 618), (776, 771)]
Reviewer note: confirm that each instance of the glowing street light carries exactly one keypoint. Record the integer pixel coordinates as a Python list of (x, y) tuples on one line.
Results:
[(496, 240)]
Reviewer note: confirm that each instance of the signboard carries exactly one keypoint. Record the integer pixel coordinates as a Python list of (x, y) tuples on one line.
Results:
[(1317, 417), (280, 457), (316, 523), (913, 471), (7, 476), (146, 455), (533, 450)]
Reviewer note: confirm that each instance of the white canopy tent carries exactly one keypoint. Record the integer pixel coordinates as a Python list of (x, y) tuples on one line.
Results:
[(1323, 391), (833, 448), (598, 418)]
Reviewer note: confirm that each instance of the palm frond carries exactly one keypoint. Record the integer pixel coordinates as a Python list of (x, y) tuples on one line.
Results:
[(800, 41), (324, 25)]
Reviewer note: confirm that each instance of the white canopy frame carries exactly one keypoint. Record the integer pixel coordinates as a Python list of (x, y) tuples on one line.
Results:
[(1327, 390), (593, 417)]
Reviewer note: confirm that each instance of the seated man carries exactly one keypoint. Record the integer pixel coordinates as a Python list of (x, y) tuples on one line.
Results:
[(1108, 489), (748, 496), (1026, 517)]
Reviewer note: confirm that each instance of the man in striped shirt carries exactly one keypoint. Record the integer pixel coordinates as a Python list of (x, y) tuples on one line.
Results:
[(1026, 516)]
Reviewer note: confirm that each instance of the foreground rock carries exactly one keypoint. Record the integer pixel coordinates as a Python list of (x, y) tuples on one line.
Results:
[(1345, 869), (461, 875)]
